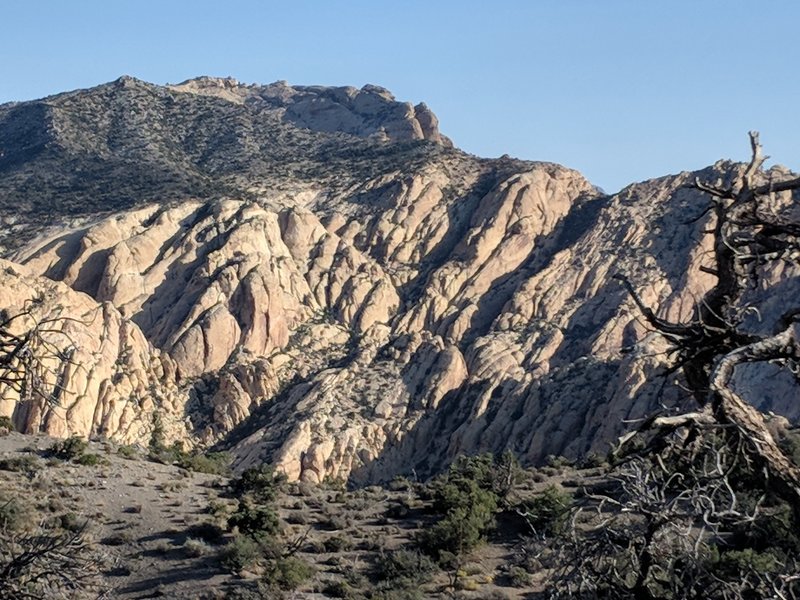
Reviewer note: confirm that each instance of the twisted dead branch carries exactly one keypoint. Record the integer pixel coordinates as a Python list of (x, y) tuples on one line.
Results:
[(747, 232)]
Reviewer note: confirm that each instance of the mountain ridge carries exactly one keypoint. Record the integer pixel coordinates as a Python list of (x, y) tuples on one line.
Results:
[(352, 304)]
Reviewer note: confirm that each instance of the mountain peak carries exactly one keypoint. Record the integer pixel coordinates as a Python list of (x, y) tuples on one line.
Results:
[(129, 141)]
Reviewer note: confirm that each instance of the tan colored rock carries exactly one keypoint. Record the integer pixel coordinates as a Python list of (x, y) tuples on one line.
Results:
[(458, 307), (113, 382)]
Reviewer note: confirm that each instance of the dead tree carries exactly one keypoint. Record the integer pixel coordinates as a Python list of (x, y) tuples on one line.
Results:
[(49, 563), (749, 232), (36, 353), (676, 526)]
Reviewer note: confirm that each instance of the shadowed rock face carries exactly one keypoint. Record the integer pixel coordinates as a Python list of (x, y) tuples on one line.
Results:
[(333, 288)]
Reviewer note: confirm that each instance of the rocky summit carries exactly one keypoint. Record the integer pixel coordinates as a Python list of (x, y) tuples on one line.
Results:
[(316, 278)]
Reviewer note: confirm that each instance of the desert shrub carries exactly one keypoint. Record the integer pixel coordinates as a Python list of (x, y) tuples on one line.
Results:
[(519, 577), (500, 476), (6, 423), (217, 508), (468, 585), (547, 513), (90, 460), (335, 522), (399, 509), (72, 522), (261, 481), (128, 451), (241, 553), (14, 514), (315, 547), (404, 567), (196, 548), (118, 538), (158, 438), (400, 484), (288, 573), (166, 455), (255, 519), (468, 514), (68, 449), (340, 589), (337, 543), (212, 463), (467, 498), (592, 461), (336, 484), (462, 529), (27, 464), (298, 518), (558, 462), (207, 532)]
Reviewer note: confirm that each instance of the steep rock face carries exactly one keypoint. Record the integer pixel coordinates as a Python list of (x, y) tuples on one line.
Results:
[(369, 111), (363, 302), (205, 280), (254, 294), (114, 381)]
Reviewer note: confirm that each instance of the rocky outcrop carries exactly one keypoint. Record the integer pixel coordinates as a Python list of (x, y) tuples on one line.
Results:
[(369, 111), (102, 377), (358, 322)]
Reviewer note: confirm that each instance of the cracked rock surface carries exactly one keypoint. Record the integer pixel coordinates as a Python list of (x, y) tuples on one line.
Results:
[(315, 277)]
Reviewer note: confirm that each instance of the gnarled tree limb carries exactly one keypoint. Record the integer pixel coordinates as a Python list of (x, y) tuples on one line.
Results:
[(713, 344)]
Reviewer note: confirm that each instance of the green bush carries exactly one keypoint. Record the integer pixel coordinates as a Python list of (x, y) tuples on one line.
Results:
[(207, 532), (196, 548), (6, 423), (519, 577), (255, 520), (27, 464), (404, 567), (734, 564), (68, 449), (166, 455), (128, 451), (241, 553), (212, 463), (400, 484), (547, 512), (288, 573), (260, 481), (468, 513), (463, 528), (337, 543), (340, 589), (467, 497), (558, 462), (90, 460)]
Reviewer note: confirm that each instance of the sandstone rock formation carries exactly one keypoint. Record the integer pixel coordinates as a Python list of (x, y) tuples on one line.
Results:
[(364, 300)]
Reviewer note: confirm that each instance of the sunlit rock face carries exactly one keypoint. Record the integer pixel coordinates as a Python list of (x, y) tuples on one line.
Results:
[(314, 277)]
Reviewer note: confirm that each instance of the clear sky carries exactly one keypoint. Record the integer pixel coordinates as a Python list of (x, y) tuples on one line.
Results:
[(621, 90)]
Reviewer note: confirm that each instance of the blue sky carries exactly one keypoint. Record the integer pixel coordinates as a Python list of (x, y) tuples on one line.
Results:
[(621, 90)]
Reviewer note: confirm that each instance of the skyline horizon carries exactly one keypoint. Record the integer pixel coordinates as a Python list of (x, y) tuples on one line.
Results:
[(444, 132), (618, 91)]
